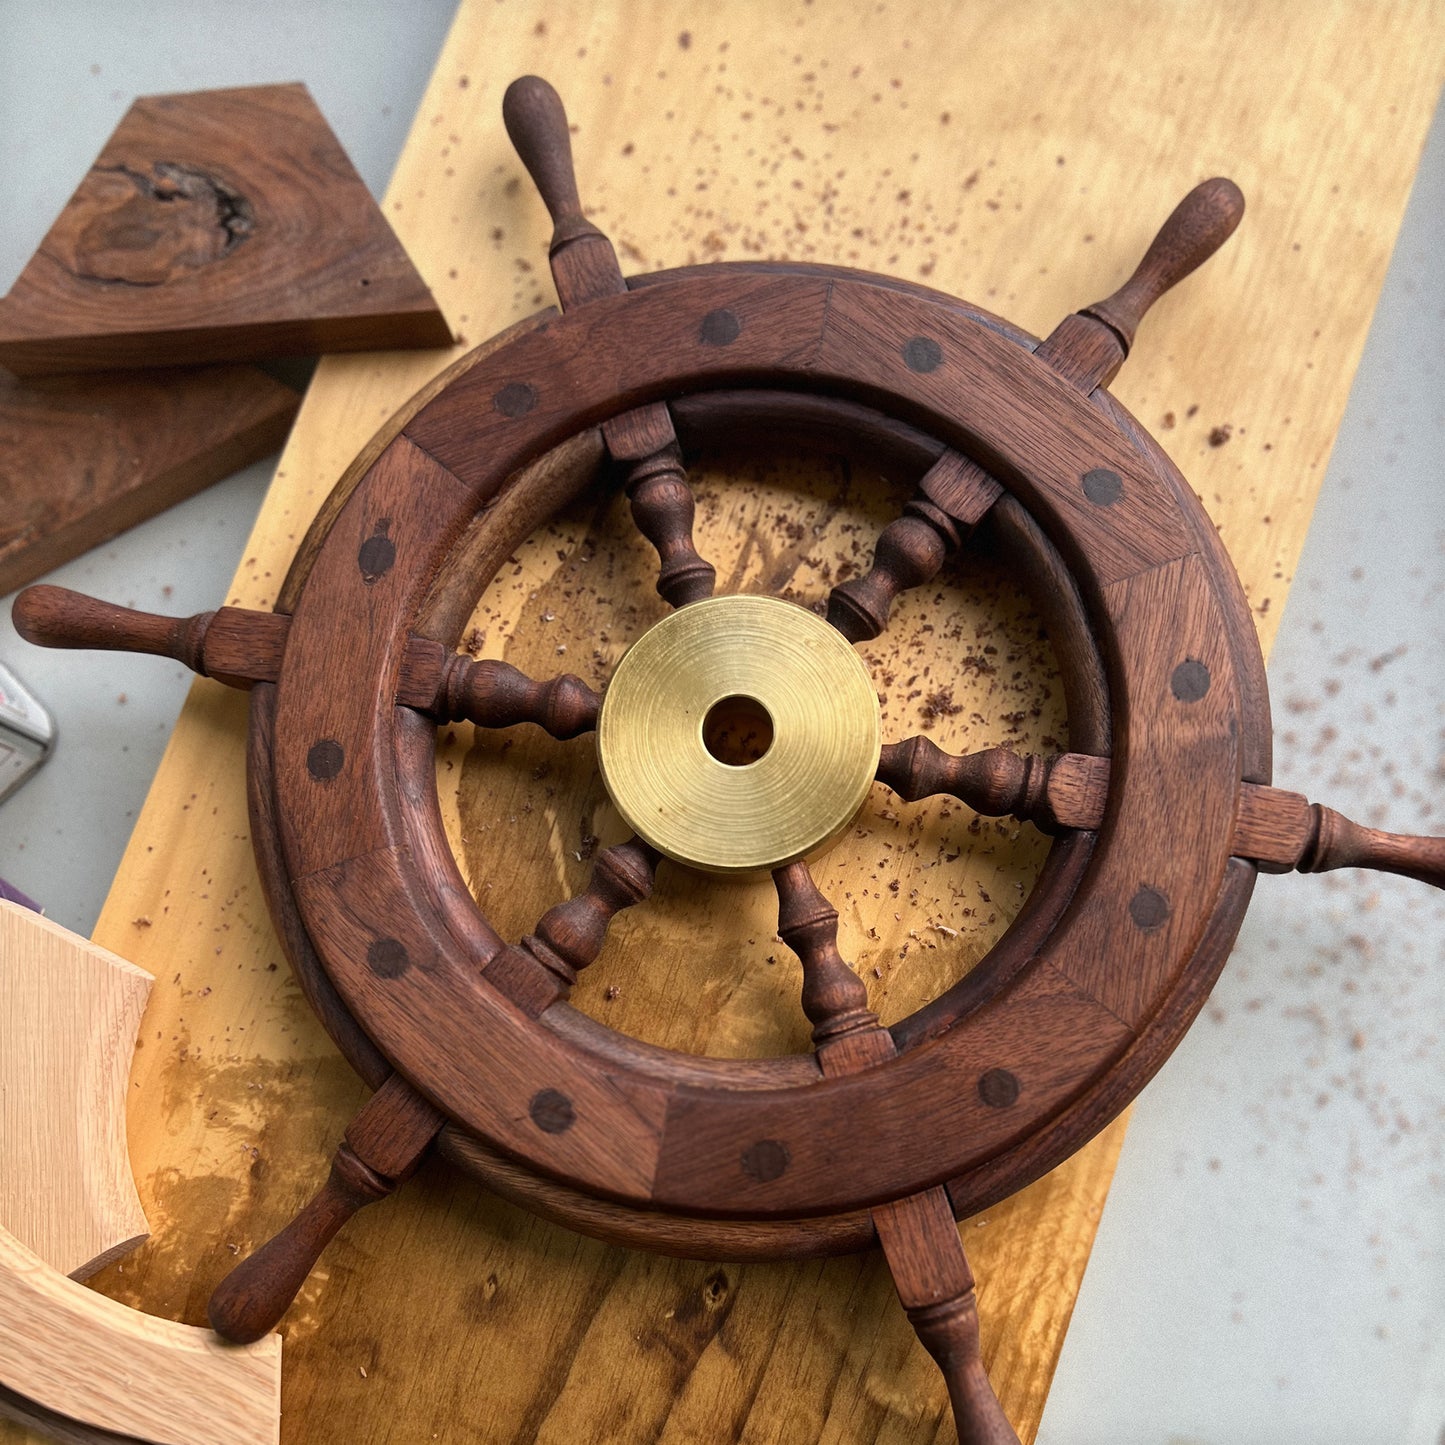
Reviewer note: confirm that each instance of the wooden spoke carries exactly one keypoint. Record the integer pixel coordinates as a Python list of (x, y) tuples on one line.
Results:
[(835, 999), (541, 970), (1284, 832), (1067, 790), (1089, 347), (383, 1145), (952, 499), (935, 1286), (495, 694), (234, 644), (918, 1233), (662, 501), (585, 268)]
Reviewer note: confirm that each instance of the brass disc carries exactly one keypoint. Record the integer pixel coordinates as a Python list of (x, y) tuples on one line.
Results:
[(805, 788)]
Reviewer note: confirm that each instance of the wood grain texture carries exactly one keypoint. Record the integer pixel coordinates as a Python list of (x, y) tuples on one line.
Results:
[(416, 1293), (69, 1013), (87, 1359), (220, 225), (84, 458)]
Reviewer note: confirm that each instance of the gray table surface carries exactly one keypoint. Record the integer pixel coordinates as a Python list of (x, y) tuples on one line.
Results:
[(1271, 1263)]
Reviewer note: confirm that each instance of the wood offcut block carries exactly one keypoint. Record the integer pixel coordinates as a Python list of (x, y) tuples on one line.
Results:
[(82, 458), (222, 225)]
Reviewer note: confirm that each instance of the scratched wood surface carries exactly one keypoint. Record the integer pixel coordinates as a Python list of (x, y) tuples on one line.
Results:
[(978, 153)]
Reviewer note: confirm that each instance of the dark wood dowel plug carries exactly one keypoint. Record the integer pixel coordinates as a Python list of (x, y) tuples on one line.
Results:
[(1197, 227), (57, 617)]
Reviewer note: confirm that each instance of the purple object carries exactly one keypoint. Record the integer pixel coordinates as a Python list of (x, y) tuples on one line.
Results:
[(14, 895)]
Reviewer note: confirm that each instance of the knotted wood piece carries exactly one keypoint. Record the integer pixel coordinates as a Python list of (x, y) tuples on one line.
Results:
[(382, 1148), (541, 970), (918, 1234), (222, 225), (585, 268), (1089, 347)]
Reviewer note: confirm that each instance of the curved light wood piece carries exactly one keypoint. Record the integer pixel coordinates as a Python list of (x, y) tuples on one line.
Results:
[(89, 1359), (69, 1012)]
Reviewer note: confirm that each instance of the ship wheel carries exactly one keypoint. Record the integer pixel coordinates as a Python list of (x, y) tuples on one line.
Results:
[(741, 733)]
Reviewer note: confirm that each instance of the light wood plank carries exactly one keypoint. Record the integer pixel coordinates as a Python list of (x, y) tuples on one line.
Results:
[(69, 1012), (819, 134), (91, 1360)]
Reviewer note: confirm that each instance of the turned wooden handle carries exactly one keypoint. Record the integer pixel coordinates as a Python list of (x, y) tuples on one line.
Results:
[(535, 119), (949, 1332), (57, 617), (1197, 227), (496, 695), (1339, 843), (250, 1301)]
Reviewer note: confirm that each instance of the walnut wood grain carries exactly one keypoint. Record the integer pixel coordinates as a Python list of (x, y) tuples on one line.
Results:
[(260, 239), (84, 458), (383, 1146)]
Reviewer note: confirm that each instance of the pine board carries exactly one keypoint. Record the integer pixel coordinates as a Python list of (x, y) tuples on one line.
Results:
[(1018, 157)]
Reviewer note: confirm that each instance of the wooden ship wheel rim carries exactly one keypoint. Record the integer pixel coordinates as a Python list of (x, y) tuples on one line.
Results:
[(1163, 815), (987, 1149)]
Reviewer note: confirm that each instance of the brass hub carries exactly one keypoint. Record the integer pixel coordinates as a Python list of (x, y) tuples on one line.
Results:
[(794, 689)]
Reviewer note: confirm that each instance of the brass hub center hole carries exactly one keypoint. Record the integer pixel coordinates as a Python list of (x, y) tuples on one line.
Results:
[(737, 730)]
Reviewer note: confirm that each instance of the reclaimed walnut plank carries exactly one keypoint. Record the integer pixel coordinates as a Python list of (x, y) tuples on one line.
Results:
[(84, 458), (219, 225)]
